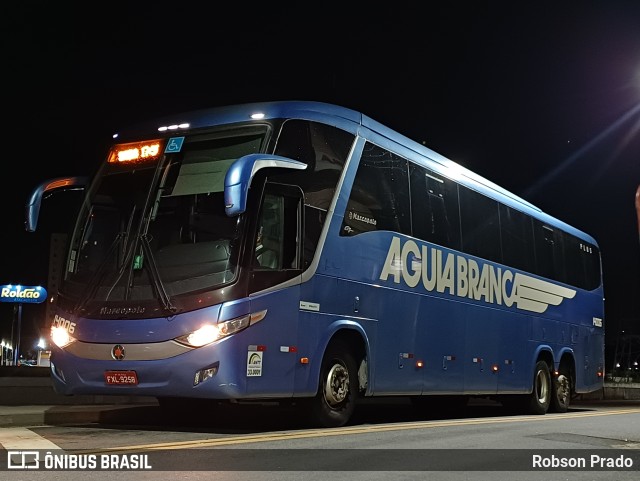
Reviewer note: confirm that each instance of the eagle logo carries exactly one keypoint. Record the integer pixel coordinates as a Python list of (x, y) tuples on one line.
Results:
[(536, 295)]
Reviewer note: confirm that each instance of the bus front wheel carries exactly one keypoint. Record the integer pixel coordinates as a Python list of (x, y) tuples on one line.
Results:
[(338, 388)]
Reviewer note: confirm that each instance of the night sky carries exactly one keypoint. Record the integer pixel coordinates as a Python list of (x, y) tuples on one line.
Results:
[(543, 98)]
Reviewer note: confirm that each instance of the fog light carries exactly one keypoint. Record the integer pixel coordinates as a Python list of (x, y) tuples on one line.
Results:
[(204, 374)]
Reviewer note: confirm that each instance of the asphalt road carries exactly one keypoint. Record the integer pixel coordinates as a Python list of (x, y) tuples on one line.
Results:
[(387, 440)]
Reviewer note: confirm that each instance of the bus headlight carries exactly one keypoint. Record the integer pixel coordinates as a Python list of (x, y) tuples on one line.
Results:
[(60, 336), (212, 332)]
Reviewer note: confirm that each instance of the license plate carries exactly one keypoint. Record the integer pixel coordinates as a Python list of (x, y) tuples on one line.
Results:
[(121, 377)]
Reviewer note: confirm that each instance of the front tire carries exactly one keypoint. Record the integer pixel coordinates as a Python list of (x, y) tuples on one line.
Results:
[(335, 401)]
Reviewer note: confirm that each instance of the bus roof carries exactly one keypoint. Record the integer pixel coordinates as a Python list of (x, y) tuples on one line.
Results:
[(351, 120)]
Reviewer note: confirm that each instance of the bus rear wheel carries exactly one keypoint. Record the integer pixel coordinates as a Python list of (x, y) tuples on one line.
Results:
[(561, 393), (540, 397), (335, 401)]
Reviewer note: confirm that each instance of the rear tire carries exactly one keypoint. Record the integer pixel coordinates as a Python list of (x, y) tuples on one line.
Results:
[(540, 397), (335, 401), (561, 393)]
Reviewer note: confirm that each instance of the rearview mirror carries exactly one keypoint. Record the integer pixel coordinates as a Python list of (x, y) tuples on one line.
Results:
[(35, 199), (239, 176)]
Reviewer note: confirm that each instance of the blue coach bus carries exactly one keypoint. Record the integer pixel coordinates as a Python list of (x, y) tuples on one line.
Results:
[(303, 252)]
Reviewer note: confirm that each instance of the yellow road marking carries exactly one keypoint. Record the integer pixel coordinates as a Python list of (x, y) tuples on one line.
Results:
[(284, 436)]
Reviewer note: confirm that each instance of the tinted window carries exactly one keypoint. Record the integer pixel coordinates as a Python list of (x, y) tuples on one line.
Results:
[(325, 150), (379, 197), (434, 208), (516, 232), (549, 252), (582, 263), (480, 229)]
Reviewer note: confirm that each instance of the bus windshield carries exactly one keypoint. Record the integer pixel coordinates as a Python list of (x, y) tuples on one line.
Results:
[(159, 228)]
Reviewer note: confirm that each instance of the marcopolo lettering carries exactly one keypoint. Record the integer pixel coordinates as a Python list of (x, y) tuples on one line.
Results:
[(122, 310), (435, 270), (32, 294)]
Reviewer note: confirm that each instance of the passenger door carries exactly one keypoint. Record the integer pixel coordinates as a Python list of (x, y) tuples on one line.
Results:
[(274, 288)]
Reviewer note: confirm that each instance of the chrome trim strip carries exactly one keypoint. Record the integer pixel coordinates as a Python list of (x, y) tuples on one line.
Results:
[(133, 352)]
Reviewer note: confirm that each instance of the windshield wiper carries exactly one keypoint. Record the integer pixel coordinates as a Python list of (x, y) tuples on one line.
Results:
[(155, 275), (96, 279)]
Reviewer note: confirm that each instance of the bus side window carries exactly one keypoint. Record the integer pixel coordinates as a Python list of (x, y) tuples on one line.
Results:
[(549, 252), (379, 198), (269, 238), (324, 149), (480, 227), (516, 233), (434, 206), (277, 244)]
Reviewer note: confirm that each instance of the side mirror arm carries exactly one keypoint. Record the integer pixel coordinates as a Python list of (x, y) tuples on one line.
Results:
[(32, 209), (239, 176)]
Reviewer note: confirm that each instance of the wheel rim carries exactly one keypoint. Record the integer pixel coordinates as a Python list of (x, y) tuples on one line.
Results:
[(337, 385), (542, 387), (562, 389)]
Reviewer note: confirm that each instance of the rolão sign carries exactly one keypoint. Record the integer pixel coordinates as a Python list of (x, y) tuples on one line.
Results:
[(27, 294)]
